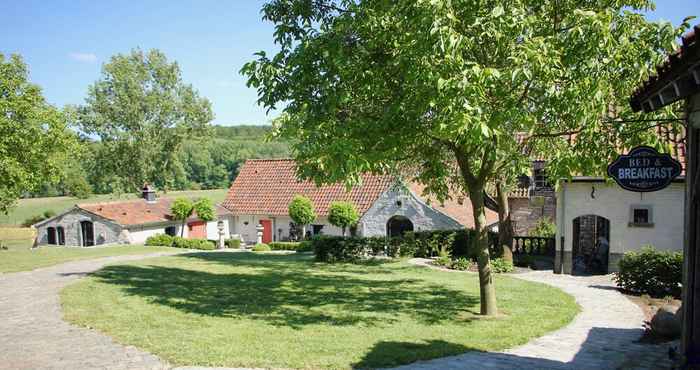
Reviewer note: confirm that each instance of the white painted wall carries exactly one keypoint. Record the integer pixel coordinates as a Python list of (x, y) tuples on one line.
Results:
[(248, 232), (614, 203), (139, 234), (213, 229)]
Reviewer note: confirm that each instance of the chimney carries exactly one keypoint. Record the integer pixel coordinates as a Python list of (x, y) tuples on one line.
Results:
[(148, 194)]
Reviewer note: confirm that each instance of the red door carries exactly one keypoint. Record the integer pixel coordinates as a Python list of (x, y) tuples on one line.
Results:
[(197, 230), (267, 231)]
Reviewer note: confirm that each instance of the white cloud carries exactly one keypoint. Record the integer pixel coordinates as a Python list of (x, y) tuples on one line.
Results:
[(83, 57)]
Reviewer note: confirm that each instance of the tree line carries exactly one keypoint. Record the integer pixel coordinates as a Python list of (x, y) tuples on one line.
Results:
[(140, 123)]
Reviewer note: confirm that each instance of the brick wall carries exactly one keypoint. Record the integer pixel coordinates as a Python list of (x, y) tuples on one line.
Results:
[(525, 213)]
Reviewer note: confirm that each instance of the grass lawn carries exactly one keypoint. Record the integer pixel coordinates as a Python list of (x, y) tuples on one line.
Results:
[(35, 206), (286, 311), (19, 256)]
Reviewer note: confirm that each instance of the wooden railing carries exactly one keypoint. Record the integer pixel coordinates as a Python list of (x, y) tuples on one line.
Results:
[(534, 246)]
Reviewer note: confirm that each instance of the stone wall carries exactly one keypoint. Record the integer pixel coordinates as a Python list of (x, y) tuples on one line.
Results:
[(105, 232), (402, 202), (525, 214)]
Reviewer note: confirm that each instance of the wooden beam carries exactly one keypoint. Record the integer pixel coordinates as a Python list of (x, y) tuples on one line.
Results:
[(690, 335)]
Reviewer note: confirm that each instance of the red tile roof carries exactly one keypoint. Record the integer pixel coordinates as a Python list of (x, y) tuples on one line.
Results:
[(137, 211), (266, 186)]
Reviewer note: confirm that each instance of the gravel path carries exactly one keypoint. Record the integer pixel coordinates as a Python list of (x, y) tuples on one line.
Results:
[(602, 336)]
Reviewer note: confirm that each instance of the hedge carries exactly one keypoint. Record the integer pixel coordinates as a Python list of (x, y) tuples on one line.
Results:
[(455, 243), (233, 243), (178, 242), (651, 272), (261, 247), (284, 246)]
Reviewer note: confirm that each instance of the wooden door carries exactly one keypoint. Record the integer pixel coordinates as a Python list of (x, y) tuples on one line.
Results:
[(197, 230), (267, 231)]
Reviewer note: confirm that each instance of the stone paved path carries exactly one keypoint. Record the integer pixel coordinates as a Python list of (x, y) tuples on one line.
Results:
[(602, 336), (33, 335)]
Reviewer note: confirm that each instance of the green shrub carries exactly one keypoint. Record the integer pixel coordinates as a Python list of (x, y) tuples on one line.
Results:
[(233, 243), (343, 214), (305, 246), (261, 247), (284, 246), (462, 264), (341, 249), (203, 244), (652, 272), (499, 265), (38, 218), (444, 261), (180, 242), (544, 228), (161, 240)]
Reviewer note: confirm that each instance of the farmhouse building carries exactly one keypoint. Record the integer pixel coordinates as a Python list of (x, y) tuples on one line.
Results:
[(262, 191), (600, 219), (124, 222)]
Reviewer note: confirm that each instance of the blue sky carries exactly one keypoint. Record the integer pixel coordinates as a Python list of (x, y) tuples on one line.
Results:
[(65, 43)]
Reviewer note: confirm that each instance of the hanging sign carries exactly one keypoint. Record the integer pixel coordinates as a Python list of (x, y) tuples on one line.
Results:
[(644, 169)]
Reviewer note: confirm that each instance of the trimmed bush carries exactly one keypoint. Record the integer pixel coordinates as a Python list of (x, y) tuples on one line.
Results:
[(652, 272), (284, 246), (499, 265), (203, 244), (261, 247), (339, 249), (162, 240), (233, 243), (305, 246), (461, 264)]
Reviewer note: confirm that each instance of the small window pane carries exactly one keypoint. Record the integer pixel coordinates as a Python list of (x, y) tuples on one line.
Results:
[(641, 216)]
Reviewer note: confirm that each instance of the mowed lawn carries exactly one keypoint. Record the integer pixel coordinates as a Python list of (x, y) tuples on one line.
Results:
[(19, 257), (30, 207), (286, 311)]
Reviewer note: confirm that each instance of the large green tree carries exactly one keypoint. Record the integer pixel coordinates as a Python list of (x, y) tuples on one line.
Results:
[(142, 111), (437, 89), (35, 141)]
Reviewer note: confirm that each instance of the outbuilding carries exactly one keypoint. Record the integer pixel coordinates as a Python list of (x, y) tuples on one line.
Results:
[(124, 222)]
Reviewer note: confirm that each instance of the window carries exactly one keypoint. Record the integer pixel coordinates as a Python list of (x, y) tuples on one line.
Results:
[(641, 216), (541, 181), (171, 230)]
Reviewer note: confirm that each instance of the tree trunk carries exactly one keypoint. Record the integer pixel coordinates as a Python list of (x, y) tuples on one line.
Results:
[(182, 229), (303, 232), (487, 290), (505, 224)]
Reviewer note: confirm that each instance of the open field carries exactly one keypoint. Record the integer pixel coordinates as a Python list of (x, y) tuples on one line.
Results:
[(286, 311), (30, 207), (19, 257)]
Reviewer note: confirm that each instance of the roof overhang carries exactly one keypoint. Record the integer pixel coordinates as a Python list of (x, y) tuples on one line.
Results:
[(677, 78)]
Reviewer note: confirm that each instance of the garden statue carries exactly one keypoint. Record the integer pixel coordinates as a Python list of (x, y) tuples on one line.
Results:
[(220, 227)]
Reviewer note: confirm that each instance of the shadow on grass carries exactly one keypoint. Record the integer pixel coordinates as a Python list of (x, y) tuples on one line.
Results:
[(291, 290), (603, 348)]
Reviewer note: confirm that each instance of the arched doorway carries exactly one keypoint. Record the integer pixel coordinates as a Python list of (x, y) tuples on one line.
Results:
[(591, 245), (397, 225)]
